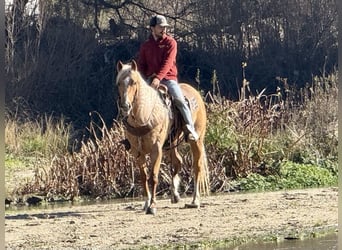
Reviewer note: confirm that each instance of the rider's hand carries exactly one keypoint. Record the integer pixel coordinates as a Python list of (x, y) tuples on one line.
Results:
[(155, 83)]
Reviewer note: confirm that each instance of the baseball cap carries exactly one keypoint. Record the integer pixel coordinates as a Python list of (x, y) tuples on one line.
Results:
[(158, 19)]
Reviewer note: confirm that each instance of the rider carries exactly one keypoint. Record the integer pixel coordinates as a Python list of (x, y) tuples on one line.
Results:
[(157, 62)]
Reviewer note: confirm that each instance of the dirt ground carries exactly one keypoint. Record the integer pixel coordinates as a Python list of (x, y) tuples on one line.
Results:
[(221, 218)]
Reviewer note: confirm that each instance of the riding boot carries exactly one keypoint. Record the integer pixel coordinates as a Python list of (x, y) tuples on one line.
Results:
[(186, 113), (193, 136), (176, 92)]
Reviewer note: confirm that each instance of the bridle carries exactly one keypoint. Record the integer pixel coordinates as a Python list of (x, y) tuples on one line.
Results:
[(142, 129)]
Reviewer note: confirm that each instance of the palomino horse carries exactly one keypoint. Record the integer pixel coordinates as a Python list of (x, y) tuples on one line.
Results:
[(148, 126)]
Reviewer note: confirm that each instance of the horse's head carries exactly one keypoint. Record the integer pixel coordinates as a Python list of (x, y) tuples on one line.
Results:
[(126, 82)]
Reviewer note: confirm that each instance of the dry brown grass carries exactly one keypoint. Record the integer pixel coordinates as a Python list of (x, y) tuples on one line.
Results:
[(97, 170), (43, 137), (253, 135)]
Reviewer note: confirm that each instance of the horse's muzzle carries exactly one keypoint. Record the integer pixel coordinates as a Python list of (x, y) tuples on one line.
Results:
[(125, 108)]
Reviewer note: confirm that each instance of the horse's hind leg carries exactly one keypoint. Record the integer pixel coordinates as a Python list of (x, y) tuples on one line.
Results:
[(176, 163), (199, 164)]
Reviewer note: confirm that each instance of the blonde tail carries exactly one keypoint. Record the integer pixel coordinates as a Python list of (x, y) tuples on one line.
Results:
[(204, 183)]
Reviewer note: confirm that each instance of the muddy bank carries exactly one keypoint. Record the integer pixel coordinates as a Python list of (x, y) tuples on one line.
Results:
[(222, 218)]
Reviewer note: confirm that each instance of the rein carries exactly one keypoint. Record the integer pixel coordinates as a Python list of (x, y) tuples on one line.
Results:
[(137, 131)]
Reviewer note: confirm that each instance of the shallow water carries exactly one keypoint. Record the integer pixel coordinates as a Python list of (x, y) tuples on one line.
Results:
[(328, 242), (64, 204)]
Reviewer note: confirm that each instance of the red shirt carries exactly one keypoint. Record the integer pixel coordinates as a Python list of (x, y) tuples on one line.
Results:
[(159, 57)]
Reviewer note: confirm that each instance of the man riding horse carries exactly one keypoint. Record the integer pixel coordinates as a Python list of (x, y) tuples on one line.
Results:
[(157, 63), (147, 119)]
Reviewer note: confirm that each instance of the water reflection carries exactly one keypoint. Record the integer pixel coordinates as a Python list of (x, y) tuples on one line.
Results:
[(328, 242), (70, 204)]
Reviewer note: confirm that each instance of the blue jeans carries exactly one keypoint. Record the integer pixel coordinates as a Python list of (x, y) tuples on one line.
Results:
[(177, 94)]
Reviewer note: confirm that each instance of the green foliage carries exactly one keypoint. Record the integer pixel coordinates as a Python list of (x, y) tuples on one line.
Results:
[(254, 182), (305, 175), (14, 162), (291, 176)]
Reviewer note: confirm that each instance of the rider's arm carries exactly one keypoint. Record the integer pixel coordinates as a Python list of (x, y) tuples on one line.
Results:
[(169, 59)]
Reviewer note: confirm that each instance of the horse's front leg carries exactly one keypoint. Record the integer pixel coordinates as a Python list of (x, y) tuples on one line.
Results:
[(141, 162), (156, 157)]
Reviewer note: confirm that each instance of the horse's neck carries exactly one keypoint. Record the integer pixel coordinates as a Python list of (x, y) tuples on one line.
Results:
[(146, 99)]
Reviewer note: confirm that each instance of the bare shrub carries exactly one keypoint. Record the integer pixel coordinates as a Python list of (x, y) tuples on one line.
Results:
[(313, 126), (253, 135), (239, 132), (101, 168)]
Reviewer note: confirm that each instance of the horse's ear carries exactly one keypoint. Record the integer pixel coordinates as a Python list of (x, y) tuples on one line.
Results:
[(134, 65), (119, 65)]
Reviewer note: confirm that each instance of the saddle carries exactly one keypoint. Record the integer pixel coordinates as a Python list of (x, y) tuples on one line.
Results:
[(177, 121)]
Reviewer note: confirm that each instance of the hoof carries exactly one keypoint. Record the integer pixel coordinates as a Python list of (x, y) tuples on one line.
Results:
[(192, 205), (151, 210), (146, 206), (175, 198)]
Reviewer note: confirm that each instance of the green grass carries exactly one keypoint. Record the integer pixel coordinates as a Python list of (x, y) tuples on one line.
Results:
[(291, 176)]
